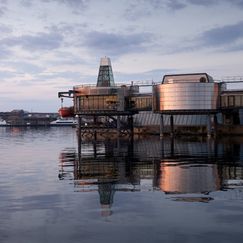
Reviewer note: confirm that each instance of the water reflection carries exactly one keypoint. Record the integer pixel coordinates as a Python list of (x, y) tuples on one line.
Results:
[(184, 170), (188, 178)]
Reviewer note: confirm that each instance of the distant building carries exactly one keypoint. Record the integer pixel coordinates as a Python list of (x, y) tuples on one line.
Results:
[(23, 118)]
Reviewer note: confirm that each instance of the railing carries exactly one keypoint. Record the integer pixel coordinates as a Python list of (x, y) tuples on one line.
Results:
[(232, 79), (119, 84)]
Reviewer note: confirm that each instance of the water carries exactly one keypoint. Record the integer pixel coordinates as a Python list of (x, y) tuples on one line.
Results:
[(181, 190)]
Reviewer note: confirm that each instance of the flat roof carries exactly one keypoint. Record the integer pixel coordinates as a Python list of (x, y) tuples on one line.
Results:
[(187, 77)]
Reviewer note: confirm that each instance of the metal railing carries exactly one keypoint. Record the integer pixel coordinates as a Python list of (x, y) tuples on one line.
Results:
[(232, 79), (119, 84)]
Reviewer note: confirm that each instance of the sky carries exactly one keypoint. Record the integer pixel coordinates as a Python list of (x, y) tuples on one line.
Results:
[(47, 46)]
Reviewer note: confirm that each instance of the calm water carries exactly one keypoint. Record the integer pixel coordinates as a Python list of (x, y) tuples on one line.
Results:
[(116, 191)]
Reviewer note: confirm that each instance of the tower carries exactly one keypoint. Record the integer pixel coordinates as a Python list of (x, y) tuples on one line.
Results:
[(105, 76)]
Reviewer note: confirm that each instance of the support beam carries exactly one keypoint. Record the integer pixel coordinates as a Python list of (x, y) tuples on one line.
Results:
[(79, 137), (161, 132), (130, 124), (171, 126), (215, 124), (118, 125), (162, 148), (95, 124), (172, 146), (209, 125), (95, 148)]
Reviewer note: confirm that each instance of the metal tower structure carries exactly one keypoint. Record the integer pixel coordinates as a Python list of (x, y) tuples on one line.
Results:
[(105, 76)]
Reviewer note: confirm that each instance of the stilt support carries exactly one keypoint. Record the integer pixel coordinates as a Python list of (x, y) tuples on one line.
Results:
[(171, 126), (161, 126)]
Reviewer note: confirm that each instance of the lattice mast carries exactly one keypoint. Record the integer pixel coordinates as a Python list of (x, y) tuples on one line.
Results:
[(105, 76)]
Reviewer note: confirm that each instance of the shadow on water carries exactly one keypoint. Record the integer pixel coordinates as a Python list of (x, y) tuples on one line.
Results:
[(185, 170)]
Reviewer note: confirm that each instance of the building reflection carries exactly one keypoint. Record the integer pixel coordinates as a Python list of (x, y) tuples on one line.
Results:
[(191, 178), (106, 192), (173, 166)]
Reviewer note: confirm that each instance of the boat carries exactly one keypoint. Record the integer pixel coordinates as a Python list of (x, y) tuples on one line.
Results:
[(66, 111), (65, 122), (3, 122)]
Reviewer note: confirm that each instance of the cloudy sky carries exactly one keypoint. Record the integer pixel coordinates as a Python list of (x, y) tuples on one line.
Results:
[(48, 46)]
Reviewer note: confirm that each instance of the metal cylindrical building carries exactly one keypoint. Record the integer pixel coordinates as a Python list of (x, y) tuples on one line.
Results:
[(181, 93)]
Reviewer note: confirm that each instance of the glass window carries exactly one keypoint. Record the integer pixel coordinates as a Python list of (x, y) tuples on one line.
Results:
[(224, 100), (231, 100), (237, 100)]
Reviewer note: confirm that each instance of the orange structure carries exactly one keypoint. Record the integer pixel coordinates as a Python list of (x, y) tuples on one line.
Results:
[(66, 111)]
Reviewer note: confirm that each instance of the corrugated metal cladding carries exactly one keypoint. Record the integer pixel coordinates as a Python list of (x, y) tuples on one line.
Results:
[(145, 148), (241, 116), (146, 118)]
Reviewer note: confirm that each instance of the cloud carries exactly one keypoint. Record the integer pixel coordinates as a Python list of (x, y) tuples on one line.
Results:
[(175, 5), (76, 5), (68, 75), (208, 3), (40, 41), (4, 29), (3, 9), (24, 67), (228, 38), (26, 3), (238, 3), (135, 11), (178, 4), (69, 31), (236, 47), (6, 75), (203, 2), (154, 75), (4, 52), (225, 35), (70, 3), (115, 44), (142, 8)]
